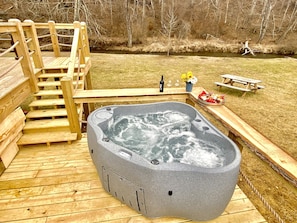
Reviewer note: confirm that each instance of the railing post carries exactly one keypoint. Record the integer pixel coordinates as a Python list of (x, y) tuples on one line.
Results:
[(86, 46), (72, 114), (54, 38), (80, 42), (74, 50), (34, 44), (23, 52)]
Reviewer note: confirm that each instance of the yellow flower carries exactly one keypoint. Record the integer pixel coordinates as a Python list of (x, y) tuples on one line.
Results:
[(189, 75), (184, 77)]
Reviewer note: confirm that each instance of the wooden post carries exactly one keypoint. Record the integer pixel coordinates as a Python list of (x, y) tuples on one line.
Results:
[(54, 38), (23, 52), (89, 86), (67, 88), (86, 46), (34, 44), (80, 42), (74, 50)]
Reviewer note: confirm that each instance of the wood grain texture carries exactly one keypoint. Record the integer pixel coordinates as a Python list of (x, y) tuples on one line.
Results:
[(60, 183)]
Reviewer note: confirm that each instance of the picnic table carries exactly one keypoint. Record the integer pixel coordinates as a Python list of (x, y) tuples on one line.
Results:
[(241, 83)]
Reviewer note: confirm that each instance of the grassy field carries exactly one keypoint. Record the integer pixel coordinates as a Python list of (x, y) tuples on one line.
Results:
[(271, 111)]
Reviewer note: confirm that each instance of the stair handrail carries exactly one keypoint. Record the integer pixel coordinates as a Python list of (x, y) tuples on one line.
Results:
[(67, 83), (76, 56)]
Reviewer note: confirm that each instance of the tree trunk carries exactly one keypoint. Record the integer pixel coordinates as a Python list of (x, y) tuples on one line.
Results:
[(162, 12), (291, 25), (128, 24), (268, 6), (254, 3), (111, 14), (76, 10), (226, 13)]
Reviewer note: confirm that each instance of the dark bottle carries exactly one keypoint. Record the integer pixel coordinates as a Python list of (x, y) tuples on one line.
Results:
[(162, 84)]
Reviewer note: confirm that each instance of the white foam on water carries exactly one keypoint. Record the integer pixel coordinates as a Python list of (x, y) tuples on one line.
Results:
[(165, 136)]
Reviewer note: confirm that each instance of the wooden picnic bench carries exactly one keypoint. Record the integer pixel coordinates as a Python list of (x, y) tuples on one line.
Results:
[(242, 83)]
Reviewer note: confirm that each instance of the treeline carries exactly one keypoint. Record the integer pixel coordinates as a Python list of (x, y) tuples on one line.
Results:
[(134, 21)]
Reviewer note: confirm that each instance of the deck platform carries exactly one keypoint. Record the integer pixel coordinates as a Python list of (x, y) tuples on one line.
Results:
[(60, 183)]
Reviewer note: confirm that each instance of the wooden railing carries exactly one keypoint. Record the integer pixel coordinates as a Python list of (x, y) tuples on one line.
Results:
[(18, 68), (28, 42), (15, 29), (69, 84)]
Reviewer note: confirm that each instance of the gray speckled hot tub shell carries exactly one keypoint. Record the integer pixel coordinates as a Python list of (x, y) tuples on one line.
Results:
[(166, 189)]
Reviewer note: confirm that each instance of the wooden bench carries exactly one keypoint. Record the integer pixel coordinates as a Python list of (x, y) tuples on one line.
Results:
[(245, 83), (220, 84)]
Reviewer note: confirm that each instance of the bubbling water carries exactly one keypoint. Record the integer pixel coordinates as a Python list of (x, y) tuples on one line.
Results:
[(166, 137)]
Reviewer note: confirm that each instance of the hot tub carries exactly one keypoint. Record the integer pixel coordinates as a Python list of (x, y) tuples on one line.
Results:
[(170, 182)]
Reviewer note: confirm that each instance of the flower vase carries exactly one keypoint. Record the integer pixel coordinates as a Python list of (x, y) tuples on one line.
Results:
[(189, 87)]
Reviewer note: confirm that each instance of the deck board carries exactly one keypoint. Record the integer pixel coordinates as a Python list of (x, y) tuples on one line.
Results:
[(60, 183)]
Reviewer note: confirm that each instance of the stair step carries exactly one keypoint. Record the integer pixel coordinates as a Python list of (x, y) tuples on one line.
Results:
[(47, 113), (58, 75), (47, 102), (39, 138), (46, 125), (55, 83), (48, 93)]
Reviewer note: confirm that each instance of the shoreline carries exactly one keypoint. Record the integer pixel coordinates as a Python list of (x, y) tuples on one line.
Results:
[(192, 48), (202, 54)]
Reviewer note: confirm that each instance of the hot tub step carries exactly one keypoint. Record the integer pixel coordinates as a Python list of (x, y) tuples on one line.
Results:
[(55, 83), (40, 138), (48, 93), (47, 102), (47, 113), (57, 75), (46, 125)]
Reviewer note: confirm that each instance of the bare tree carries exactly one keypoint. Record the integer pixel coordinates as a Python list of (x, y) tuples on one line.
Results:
[(128, 23), (267, 8), (291, 24), (76, 10), (285, 13), (254, 3), (227, 9), (161, 2), (136, 19), (170, 24)]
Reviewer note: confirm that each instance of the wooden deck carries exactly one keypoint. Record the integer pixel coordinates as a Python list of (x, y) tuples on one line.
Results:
[(60, 183)]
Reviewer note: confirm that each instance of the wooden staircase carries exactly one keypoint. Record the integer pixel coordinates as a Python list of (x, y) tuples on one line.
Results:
[(48, 113), (43, 75)]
